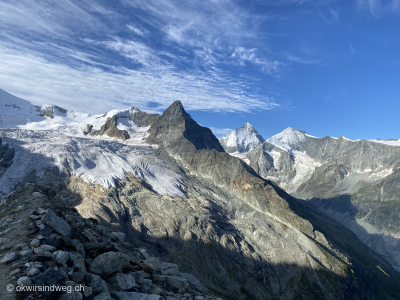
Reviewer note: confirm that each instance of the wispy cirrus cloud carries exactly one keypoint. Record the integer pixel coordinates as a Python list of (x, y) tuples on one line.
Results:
[(82, 52), (243, 56), (330, 16), (94, 90), (138, 31), (220, 132), (378, 8)]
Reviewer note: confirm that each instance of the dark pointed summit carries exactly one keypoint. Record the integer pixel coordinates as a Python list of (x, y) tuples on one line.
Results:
[(175, 110), (176, 124)]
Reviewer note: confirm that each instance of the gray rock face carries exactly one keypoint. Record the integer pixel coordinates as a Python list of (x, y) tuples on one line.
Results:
[(110, 129), (142, 119), (175, 124), (56, 223), (108, 263), (48, 111)]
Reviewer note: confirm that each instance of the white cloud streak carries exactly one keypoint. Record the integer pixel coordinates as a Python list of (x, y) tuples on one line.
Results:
[(220, 132), (379, 8), (59, 53), (96, 91), (138, 31)]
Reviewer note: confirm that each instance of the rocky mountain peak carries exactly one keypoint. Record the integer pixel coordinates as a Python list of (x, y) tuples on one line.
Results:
[(175, 126), (175, 111), (242, 139)]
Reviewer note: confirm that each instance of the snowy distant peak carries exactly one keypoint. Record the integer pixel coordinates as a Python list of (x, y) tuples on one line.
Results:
[(288, 139), (242, 140), (391, 142)]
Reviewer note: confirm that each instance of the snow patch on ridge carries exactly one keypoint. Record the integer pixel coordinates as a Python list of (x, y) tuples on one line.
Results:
[(387, 142), (304, 166), (275, 156)]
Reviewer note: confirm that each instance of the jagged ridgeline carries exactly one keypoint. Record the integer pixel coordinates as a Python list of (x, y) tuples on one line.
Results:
[(173, 190), (355, 182)]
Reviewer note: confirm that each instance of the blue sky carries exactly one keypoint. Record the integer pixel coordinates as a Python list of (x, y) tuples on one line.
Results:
[(328, 67)]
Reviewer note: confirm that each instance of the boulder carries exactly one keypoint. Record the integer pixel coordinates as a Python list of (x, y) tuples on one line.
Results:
[(138, 276), (24, 281), (119, 235), (194, 283), (34, 243), (48, 248), (77, 277), (97, 284), (56, 223), (144, 253), (165, 268), (61, 257), (9, 257), (49, 278), (121, 282), (25, 253), (177, 282), (108, 263), (33, 272)]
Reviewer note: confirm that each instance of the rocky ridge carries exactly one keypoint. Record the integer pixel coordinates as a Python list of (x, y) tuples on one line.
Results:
[(54, 246)]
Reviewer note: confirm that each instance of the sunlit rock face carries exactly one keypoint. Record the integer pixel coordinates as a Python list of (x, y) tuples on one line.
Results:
[(171, 187)]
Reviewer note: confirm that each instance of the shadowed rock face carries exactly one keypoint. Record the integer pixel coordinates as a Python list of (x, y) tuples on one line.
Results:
[(110, 129), (175, 123), (6, 157), (142, 119)]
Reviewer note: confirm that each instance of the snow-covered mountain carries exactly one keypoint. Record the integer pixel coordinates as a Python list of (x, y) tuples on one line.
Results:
[(288, 139), (88, 145), (340, 170), (242, 139)]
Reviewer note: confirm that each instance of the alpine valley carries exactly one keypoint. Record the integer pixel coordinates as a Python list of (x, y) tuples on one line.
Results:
[(148, 206)]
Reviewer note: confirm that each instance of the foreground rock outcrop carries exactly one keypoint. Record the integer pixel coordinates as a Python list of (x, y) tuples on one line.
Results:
[(65, 256)]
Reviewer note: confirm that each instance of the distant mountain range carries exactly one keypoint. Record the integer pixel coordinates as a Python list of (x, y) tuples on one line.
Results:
[(356, 182), (169, 185)]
